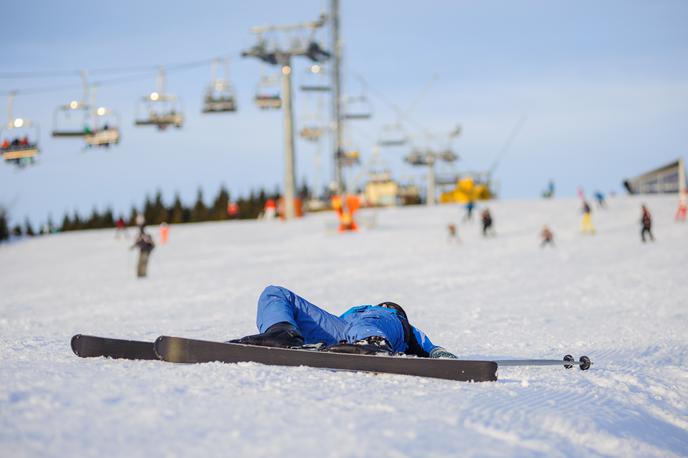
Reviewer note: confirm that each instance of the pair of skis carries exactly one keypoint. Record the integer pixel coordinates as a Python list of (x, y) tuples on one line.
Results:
[(182, 350)]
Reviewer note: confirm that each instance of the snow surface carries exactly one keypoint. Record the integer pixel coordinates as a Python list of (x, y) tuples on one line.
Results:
[(623, 303)]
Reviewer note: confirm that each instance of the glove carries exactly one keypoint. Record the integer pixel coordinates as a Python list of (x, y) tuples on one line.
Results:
[(439, 352)]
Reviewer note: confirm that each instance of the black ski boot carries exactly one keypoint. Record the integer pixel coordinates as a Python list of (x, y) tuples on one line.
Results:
[(283, 335), (373, 345)]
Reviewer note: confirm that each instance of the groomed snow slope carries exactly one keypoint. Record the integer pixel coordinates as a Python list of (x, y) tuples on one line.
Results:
[(623, 303)]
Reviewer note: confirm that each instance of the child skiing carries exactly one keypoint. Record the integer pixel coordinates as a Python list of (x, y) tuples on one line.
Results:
[(287, 320), (646, 223)]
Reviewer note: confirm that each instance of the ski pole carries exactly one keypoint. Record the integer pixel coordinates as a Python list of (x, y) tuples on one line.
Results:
[(568, 362)]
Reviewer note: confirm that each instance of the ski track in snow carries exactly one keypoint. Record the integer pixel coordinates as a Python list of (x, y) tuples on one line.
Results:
[(608, 296)]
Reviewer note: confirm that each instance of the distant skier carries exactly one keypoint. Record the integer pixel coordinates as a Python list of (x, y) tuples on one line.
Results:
[(547, 236), (470, 206), (145, 244), (120, 228), (599, 198), (682, 206), (164, 233), (287, 320), (452, 233), (140, 222), (646, 223), (586, 222), (486, 218)]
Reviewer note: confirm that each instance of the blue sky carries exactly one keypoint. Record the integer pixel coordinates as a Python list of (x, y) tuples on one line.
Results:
[(603, 87)]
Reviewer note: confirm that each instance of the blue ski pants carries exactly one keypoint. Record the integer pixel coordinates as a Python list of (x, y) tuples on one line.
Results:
[(277, 304)]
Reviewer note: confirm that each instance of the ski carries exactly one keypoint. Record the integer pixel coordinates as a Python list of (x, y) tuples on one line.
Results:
[(182, 350), (86, 346)]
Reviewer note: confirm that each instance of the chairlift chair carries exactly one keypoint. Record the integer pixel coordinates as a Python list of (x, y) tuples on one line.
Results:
[(267, 98), (418, 157), (392, 135), (19, 142), (219, 98), (106, 128), (357, 108), (315, 80), (311, 133), (71, 120), (160, 110)]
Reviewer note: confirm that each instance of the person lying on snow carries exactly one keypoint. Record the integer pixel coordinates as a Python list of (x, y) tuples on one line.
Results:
[(287, 320)]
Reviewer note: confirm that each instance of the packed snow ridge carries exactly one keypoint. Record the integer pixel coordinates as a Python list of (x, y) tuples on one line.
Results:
[(608, 295)]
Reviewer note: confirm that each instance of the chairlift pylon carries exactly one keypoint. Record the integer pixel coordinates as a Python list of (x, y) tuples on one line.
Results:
[(18, 139), (159, 108), (220, 96)]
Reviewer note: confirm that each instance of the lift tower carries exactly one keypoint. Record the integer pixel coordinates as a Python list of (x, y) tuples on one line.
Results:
[(274, 54)]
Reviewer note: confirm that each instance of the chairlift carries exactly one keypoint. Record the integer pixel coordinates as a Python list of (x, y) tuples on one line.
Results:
[(72, 119), (315, 80), (311, 133), (349, 157), (267, 95), (447, 155), (18, 139), (105, 128), (418, 157), (392, 135), (357, 108), (159, 108), (219, 96)]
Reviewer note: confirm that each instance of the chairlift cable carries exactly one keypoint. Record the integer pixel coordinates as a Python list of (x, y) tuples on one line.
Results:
[(512, 136), (141, 72)]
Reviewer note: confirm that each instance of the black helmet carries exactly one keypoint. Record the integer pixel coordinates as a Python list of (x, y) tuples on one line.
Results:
[(392, 305)]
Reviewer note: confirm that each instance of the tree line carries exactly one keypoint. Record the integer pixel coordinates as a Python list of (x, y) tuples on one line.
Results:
[(154, 211)]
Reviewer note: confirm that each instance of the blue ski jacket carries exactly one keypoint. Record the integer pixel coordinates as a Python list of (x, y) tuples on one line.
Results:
[(277, 304)]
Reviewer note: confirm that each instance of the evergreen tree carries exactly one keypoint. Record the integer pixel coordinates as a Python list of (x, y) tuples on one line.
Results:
[(176, 211), (66, 224), (4, 226), (17, 231), (148, 210), (76, 222), (158, 210), (219, 209), (132, 216), (108, 219), (28, 228), (199, 211), (95, 221)]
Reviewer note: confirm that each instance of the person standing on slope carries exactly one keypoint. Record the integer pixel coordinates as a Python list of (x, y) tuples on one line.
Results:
[(144, 242), (586, 222), (486, 218), (646, 223), (287, 320)]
